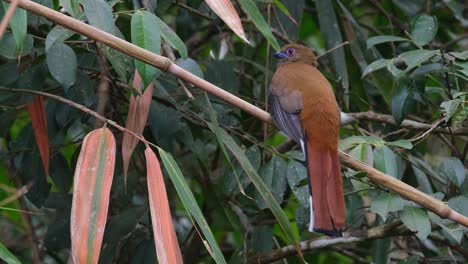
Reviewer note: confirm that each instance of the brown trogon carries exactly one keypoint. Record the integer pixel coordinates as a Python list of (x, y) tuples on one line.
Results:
[(303, 105)]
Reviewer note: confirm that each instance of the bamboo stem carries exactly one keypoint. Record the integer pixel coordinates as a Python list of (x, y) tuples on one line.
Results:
[(407, 191)]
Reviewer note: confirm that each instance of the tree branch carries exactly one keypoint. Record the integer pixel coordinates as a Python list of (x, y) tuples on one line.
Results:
[(166, 64), (388, 119), (386, 230)]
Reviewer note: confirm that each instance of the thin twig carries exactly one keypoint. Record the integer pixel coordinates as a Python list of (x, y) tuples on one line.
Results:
[(427, 132), (333, 49), (170, 54)]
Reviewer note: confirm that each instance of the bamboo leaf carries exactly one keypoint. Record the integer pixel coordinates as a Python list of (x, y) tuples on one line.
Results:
[(18, 24), (165, 239), (191, 205), (171, 38), (37, 113), (138, 111), (259, 21), (226, 11), (261, 188), (91, 190), (7, 256)]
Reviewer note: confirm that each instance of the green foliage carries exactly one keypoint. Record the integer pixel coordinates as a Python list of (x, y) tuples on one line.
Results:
[(231, 180)]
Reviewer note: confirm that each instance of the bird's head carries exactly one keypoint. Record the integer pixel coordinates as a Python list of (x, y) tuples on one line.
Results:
[(296, 53)]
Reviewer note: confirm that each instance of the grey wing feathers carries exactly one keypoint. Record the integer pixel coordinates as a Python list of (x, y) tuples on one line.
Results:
[(287, 122)]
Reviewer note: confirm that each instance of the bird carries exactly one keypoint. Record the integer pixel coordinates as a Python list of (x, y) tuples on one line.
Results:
[(304, 107)]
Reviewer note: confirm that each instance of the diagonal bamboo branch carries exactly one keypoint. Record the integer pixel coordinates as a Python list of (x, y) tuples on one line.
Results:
[(407, 191)]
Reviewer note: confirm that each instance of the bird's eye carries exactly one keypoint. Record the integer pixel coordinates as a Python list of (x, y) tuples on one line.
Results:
[(290, 51)]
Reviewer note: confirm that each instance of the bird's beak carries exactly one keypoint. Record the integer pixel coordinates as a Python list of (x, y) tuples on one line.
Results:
[(280, 55)]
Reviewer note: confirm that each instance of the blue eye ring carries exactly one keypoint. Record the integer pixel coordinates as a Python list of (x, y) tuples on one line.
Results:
[(291, 51)]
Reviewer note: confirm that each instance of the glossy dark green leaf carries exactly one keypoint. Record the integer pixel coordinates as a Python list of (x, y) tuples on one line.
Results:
[(57, 35), (171, 38), (415, 58), (147, 35), (121, 63), (424, 29), (372, 41), (259, 21), (416, 220), (400, 101), (18, 24), (273, 174), (454, 170), (450, 107), (332, 34), (385, 203), (62, 63), (459, 204)]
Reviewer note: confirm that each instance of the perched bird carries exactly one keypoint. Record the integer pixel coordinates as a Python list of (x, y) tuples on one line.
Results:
[(303, 105)]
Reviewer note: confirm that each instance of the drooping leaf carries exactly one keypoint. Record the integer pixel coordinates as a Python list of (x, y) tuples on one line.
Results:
[(147, 35), (7, 256), (459, 204), (62, 64), (226, 11), (401, 101), (424, 29), (99, 14), (57, 35), (18, 24), (450, 107), (191, 205), (297, 174), (385, 203), (332, 34), (259, 21), (71, 6), (93, 179), (453, 170), (284, 10), (37, 114), (372, 41), (416, 220), (9, 49), (165, 239), (138, 110), (385, 161), (191, 66), (171, 38), (260, 186)]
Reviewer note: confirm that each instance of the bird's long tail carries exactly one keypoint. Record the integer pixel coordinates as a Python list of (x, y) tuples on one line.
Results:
[(326, 189)]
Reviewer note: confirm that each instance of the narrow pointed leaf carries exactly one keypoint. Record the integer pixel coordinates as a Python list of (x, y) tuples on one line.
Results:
[(191, 205), (39, 123), (372, 41), (7, 256), (259, 21), (165, 239), (261, 187), (172, 39), (226, 11), (91, 190), (138, 110)]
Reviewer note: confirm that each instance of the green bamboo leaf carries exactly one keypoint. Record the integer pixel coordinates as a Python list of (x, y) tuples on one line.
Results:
[(275, 208), (7, 256), (259, 21), (402, 143), (148, 36), (372, 41), (424, 29), (416, 220), (191, 205), (332, 34), (171, 38), (18, 24)]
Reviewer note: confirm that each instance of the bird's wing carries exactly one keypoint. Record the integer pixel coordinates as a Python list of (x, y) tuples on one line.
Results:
[(285, 108)]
